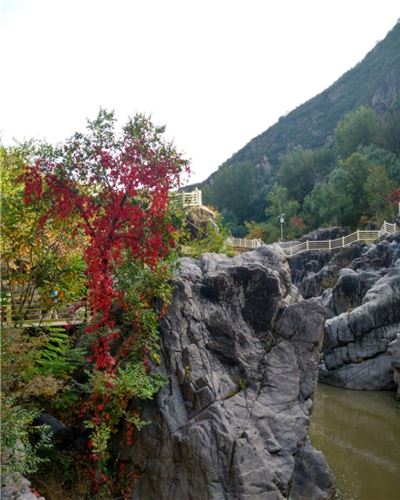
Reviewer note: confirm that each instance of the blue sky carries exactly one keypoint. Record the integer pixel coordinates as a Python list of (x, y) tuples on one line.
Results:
[(215, 72)]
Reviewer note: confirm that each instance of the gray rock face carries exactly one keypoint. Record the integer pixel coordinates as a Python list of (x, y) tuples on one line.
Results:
[(359, 288), (14, 486), (356, 343), (312, 480), (240, 352), (379, 256), (314, 272), (394, 351), (351, 288)]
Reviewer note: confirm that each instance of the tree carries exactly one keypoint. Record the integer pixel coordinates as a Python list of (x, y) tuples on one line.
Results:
[(116, 187), (237, 189), (257, 230), (325, 205), (358, 128), (378, 156), (37, 258), (393, 199), (378, 186), (302, 168), (391, 131), (279, 203), (348, 181)]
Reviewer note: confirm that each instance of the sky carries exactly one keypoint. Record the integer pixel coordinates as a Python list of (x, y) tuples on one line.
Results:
[(215, 72)]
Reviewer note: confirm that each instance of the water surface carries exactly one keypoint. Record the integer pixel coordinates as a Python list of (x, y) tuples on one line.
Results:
[(359, 433)]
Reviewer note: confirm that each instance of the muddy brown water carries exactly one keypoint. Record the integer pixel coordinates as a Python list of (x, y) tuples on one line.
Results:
[(359, 433)]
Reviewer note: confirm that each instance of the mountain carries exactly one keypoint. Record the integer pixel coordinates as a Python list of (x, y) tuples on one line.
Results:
[(374, 82)]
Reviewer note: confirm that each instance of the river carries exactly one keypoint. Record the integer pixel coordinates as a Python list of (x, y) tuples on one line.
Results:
[(359, 433)]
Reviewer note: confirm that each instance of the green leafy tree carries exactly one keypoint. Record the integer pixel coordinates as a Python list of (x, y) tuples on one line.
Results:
[(302, 168), (22, 441), (391, 131), (37, 257), (231, 222), (348, 182), (358, 128), (279, 203), (325, 205), (377, 187), (257, 230), (238, 189), (379, 156)]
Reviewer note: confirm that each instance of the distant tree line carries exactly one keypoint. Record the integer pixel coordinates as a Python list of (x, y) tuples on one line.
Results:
[(352, 181)]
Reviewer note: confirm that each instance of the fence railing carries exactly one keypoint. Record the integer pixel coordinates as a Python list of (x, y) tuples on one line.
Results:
[(324, 245), (188, 199), (243, 242), (13, 314)]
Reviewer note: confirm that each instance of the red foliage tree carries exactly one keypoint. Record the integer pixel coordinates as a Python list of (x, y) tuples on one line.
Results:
[(394, 197), (118, 187)]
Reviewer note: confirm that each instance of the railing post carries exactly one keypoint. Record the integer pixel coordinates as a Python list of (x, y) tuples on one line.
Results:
[(330, 244), (358, 235), (291, 251), (88, 313), (342, 241), (307, 245), (9, 310)]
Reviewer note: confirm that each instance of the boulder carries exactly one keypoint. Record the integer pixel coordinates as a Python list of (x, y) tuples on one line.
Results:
[(356, 343), (351, 288), (379, 256), (14, 486), (240, 353), (316, 271)]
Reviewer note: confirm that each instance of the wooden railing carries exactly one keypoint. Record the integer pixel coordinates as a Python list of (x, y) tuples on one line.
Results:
[(323, 245), (243, 242), (35, 315), (192, 199)]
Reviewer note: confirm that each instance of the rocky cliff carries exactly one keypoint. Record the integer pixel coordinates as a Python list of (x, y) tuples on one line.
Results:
[(360, 287), (240, 353)]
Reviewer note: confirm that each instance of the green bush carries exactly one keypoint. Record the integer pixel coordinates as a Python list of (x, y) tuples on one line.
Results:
[(22, 441)]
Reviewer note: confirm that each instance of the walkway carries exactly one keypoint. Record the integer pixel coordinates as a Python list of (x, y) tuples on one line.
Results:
[(291, 249)]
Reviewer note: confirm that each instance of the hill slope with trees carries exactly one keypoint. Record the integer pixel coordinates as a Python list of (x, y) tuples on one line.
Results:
[(307, 143)]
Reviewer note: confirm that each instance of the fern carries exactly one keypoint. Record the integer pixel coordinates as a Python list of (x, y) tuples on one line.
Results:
[(58, 357)]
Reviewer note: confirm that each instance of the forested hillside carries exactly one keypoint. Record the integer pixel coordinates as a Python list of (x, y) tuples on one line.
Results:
[(307, 152)]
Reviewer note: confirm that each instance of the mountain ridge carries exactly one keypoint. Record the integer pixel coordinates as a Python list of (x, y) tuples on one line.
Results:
[(374, 81)]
